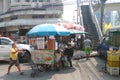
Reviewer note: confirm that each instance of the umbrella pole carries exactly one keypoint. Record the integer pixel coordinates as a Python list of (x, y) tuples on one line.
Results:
[(54, 43)]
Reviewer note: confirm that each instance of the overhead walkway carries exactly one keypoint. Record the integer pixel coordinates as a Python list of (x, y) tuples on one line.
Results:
[(110, 5), (90, 21), (89, 24)]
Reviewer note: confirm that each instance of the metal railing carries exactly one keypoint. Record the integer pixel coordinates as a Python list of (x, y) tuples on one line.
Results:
[(94, 18)]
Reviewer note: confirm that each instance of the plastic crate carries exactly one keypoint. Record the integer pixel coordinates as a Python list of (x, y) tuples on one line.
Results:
[(113, 63), (113, 57), (113, 70)]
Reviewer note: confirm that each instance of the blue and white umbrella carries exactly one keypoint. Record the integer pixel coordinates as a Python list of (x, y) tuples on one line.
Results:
[(48, 30)]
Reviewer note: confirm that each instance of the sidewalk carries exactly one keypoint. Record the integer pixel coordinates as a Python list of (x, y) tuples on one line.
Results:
[(92, 69), (100, 66)]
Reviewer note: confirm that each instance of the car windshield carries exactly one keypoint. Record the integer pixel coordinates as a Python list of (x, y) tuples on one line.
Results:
[(4, 42)]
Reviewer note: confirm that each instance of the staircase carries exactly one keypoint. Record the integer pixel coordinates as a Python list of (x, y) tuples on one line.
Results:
[(89, 24)]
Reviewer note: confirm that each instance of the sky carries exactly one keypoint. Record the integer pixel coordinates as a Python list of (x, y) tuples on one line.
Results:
[(69, 10)]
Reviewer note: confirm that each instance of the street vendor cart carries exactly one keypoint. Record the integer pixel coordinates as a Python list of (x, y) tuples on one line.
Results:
[(44, 42)]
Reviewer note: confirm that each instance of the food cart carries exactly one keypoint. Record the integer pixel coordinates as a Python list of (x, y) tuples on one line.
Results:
[(43, 40)]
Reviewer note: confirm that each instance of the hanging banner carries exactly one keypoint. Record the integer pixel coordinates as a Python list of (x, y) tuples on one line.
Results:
[(43, 56), (25, 5), (40, 43)]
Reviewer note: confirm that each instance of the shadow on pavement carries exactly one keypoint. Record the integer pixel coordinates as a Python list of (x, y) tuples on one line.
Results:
[(14, 75), (4, 62)]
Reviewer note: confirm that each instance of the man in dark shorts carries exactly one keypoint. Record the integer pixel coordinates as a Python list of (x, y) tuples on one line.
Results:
[(14, 59)]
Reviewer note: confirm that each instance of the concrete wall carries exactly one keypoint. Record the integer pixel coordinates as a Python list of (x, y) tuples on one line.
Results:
[(6, 5), (1, 6), (11, 28), (110, 7), (24, 17)]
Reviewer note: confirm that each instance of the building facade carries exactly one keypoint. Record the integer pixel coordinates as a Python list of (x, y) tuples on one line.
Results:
[(21, 15)]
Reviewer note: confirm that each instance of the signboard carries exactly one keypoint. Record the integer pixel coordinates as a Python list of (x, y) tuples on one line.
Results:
[(30, 5), (43, 56), (25, 5), (40, 43)]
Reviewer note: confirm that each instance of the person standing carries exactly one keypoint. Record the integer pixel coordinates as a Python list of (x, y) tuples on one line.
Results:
[(68, 52), (14, 59), (24, 41), (87, 46)]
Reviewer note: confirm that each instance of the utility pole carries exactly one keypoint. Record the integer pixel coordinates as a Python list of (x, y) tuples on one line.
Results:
[(102, 15), (77, 10), (80, 13), (79, 16)]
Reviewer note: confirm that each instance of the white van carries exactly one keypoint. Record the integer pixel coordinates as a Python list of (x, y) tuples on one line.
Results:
[(6, 44)]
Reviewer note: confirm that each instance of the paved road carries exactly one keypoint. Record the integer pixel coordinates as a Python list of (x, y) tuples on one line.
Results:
[(83, 70)]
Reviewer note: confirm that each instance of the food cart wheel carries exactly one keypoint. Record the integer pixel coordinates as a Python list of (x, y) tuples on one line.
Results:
[(32, 75)]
